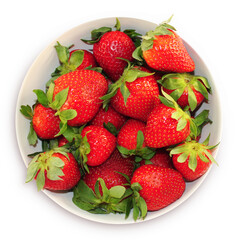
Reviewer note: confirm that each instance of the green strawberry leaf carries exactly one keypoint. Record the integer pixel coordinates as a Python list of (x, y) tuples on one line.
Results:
[(27, 111), (96, 35), (32, 169), (62, 52), (140, 139), (136, 37), (137, 54), (41, 97), (50, 92), (76, 59), (125, 93), (67, 114), (32, 136), (111, 128), (118, 25), (60, 99), (40, 180)]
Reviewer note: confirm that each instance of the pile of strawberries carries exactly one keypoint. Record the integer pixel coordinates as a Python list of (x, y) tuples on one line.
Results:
[(118, 124)]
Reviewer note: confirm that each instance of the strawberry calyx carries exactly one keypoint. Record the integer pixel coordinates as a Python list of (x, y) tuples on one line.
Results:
[(118, 199), (200, 120), (183, 117), (46, 165), (102, 200), (192, 150), (130, 74), (97, 34), (139, 152), (180, 82), (163, 28)]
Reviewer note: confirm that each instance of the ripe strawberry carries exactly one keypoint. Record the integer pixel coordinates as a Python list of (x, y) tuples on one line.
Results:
[(168, 124), (109, 115), (135, 94), (101, 144), (192, 159), (45, 123), (85, 89), (163, 50), (108, 47), (159, 186), (109, 171), (161, 159), (186, 89), (130, 140), (127, 136), (55, 170)]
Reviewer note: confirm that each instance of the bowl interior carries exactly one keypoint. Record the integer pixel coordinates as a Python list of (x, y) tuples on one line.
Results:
[(39, 74)]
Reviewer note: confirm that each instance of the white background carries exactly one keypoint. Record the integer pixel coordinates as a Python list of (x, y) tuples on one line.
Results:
[(212, 27)]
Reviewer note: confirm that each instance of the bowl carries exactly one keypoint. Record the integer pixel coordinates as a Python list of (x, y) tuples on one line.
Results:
[(39, 74)]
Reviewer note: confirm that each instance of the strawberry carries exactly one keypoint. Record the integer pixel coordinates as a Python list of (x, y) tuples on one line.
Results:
[(186, 89), (71, 60), (168, 124), (135, 94), (159, 186), (192, 159), (103, 189), (93, 145), (161, 158), (47, 120), (109, 115), (85, 89), (130, 140), (108, 47), (55, 170), (45, 123), (108, 171), (163, 50)]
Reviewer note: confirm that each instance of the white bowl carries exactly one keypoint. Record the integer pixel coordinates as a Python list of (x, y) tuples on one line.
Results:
[(39, 74)]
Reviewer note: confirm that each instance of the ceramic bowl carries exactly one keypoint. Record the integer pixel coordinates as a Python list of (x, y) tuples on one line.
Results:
[(39, 74)]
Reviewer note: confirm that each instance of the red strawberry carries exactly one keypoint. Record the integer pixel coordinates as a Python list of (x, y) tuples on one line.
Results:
[(104, 116), (100, 144), (130, 140), (45, 123), (159, 186), (108, 47), (109, 171), (192, 159), (127, 136), (55, 170), (113, 45), (168, 125), (186, 89), (135, 94), (163, 50), (85, 89), (161, 159)]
